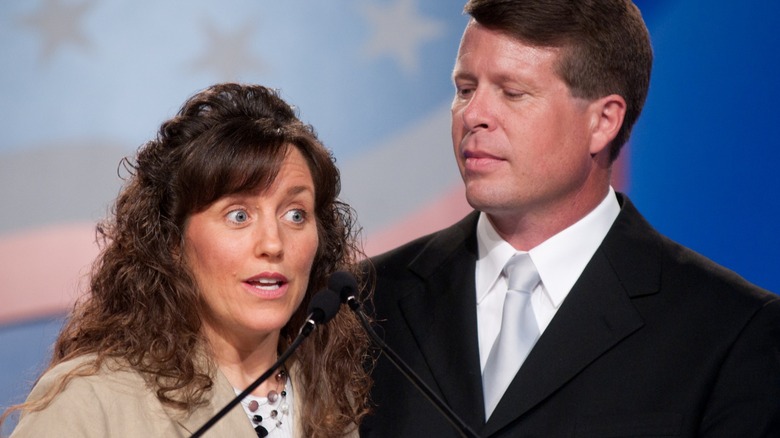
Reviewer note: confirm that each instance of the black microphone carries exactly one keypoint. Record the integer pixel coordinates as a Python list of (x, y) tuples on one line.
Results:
[(345, 285), (323, 307)]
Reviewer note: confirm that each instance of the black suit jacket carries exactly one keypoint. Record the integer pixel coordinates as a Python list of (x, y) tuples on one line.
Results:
[(652, 340)]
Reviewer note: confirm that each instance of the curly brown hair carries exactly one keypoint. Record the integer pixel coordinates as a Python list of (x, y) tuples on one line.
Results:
[(143, 304)]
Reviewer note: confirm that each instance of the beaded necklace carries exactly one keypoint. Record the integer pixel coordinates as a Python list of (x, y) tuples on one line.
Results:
[(275, 404)]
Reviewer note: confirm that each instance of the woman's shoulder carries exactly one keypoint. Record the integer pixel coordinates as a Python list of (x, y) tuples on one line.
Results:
[(82, 373), (70, 398), (66, 367), (90, 401)]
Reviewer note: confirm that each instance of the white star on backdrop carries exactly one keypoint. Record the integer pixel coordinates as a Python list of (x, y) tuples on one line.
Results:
[(399, 32), (229, 54), (59, 24)]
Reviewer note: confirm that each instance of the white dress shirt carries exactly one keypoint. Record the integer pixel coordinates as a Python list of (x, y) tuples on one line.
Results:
[(560, 260)]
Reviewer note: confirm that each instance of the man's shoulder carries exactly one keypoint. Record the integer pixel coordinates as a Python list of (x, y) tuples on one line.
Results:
[(694, 271), (429, 245), (649, 261)]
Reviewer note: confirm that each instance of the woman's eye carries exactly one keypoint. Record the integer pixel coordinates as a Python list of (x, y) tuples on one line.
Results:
[(238, 216), (297, 216)]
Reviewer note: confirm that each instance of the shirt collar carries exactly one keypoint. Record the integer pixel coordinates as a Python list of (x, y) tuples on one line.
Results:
[(560, 259)]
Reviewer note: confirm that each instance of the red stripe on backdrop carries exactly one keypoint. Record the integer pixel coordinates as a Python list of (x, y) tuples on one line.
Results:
[(452, 207), (436, 215), (621, 178), (41, 270)]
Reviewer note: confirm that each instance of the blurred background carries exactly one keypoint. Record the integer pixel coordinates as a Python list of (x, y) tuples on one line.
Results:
[(83, 83)]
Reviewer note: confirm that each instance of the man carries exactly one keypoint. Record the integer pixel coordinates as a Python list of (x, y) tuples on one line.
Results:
[(629, 333)]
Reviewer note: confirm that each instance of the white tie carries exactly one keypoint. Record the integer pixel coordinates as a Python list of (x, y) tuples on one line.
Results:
[(519, 331)]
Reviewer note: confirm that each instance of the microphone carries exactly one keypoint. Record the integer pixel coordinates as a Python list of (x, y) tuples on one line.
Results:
[(323, 307), (345, 285)]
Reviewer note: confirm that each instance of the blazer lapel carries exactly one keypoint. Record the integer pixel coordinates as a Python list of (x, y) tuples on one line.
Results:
[(234, 424), (441, 313), (596, 315)]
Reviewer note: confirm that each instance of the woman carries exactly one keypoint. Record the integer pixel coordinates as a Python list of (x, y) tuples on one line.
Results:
[(227, 225)]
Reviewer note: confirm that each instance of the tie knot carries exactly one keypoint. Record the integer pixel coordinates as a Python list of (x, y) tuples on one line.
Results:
[(521, 273)]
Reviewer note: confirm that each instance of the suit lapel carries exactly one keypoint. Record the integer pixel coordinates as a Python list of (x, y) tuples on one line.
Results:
[(441, 314), (596, 315)]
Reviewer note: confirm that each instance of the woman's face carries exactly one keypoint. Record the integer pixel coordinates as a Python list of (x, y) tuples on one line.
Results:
[(252, 253)]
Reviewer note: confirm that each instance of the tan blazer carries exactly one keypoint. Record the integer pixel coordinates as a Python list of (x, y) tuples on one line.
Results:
[(117, 403)]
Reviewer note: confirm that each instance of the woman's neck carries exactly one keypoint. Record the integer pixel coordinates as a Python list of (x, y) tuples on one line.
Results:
[(242, 361)]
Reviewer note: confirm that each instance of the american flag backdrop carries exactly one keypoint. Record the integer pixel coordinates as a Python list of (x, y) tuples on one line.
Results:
[(85, 82)]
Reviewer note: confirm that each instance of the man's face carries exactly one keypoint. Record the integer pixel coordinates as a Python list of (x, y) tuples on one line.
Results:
[(522, 142)]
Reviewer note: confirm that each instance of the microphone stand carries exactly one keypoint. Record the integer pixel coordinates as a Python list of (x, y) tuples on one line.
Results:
[(254, 385), (407, 371), (324, 309)]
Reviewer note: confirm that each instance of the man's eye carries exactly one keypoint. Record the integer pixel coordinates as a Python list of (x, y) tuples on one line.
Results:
[(464, 92), (512, 94), (238, 216)]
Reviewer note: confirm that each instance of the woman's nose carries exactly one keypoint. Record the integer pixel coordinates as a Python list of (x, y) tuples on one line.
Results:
[(268, 240)]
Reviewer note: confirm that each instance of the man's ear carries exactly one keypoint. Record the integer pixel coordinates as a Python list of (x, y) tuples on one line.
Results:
[(608, 114)]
